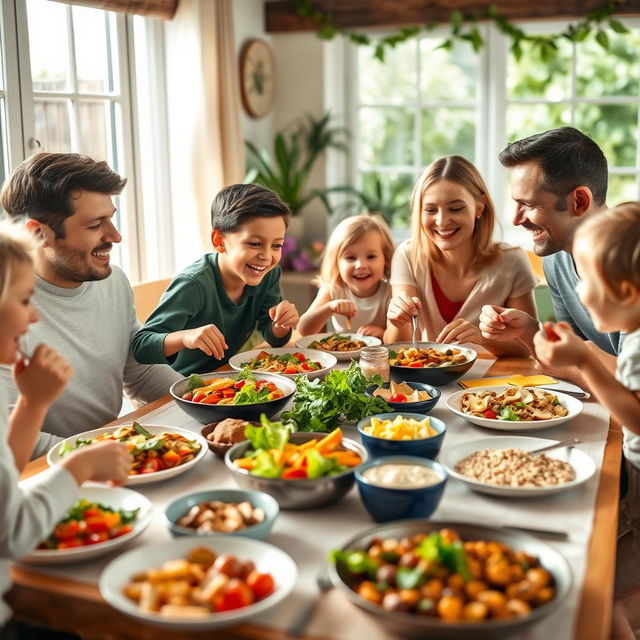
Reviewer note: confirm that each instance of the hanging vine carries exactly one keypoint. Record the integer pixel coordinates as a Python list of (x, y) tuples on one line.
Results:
[(464, 27)]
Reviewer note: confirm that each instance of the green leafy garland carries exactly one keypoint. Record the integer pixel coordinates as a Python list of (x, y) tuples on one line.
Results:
[(465, 28)]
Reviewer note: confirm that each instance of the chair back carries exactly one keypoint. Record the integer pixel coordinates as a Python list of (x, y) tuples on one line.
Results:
[(146, 296)]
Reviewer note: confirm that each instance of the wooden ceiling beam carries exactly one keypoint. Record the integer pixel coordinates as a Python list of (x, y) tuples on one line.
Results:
[(281, 16)]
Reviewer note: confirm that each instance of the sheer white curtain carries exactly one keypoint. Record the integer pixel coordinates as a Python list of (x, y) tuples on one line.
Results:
[(206, 146)]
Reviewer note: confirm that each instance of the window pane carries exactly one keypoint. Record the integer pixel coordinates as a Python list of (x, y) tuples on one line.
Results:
[(388, 194), (392, 81), (622, 189), (48, 45), (447, 75), (53, 124), (386, 136), (94, 125), (548, 81), (4, 160), (614, 127), (526, 119), (90, 29), (446, 130), (608, 73)]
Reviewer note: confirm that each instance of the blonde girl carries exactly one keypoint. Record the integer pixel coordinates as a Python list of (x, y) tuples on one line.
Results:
[(354, 290), (28, 515), (451, 266)]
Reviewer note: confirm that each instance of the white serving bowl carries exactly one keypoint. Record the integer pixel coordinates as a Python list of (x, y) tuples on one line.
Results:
[(573, 405), (370, 341), (583, 465), (325, 358), (267, 558)]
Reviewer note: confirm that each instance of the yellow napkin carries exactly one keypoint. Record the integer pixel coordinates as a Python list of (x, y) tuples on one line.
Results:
[(517, 379)]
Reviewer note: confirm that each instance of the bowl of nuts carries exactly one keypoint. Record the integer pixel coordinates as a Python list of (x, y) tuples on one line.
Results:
[(223, 511), (221, 436)]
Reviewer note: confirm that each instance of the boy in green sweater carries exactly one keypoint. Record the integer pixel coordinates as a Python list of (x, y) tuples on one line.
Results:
[(212, 307)]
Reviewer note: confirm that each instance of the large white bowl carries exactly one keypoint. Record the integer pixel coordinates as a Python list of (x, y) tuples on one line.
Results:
[(53, 457), (266, 557), (370, 341), (573, 405), (325, 358), (583, 465), (114, 497)]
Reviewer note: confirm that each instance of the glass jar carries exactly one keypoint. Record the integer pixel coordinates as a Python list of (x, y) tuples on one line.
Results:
[(375, 360)]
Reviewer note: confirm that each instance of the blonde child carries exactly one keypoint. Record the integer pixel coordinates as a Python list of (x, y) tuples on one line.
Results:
[(354, 292), (28, 515)]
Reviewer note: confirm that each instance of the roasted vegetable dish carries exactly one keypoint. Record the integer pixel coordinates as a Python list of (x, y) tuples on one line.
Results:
[(425, 358), (514, 403), (337, 342), (287, 363)]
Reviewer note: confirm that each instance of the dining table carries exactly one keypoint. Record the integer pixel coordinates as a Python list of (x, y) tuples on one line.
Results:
[(67, 598)]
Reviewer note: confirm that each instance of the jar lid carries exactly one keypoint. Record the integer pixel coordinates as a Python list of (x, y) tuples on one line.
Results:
[(377, 351)]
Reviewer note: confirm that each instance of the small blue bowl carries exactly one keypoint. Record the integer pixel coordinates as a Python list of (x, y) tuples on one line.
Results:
[(385, 504), (423, 448), (424, 406), (180, 507)]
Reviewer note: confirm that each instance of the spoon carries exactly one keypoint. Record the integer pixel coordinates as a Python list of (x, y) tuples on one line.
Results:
[(414, 322), (557, 445)]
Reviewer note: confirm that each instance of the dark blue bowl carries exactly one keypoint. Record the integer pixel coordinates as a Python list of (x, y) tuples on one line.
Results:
[(423, 448), (385, 504), (424, 406)]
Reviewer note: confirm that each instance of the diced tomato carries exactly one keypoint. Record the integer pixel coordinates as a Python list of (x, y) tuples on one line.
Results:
[(305, 366), (299, 356), (239, 384), (199, 397), (261, 584), (398, 397), (151, 465), (490, 414), (70, 544), (271, 386), (294, 473), (235, 595), (98, 536), (188, 396), (415, 365), (67, 530), (97, 524), (551, 335), (291, 369)]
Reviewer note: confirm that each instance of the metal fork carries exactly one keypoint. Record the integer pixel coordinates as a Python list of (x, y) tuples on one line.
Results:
[(414, 321), (300, 624)]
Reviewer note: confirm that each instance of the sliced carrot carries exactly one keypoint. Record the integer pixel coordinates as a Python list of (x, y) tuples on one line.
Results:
[(348, 458), (309, 444), (330, 442), (244, 463)]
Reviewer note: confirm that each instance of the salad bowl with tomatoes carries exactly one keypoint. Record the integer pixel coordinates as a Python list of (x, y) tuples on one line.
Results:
[(103, 519), (286, 361), (211, 397)]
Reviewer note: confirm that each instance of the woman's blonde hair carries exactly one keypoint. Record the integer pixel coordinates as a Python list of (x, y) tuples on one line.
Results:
[(459, 170), (613, 238), (16, 247), (347, 232)]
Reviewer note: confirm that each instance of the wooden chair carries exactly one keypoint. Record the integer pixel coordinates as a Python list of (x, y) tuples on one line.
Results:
[(146, 296)]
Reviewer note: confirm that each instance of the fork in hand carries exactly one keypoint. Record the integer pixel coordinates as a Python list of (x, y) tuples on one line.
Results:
[(414, 321)]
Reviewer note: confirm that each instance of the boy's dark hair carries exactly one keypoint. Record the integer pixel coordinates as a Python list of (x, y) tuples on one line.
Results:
[(42, 187), (234, 205), (568, 159)]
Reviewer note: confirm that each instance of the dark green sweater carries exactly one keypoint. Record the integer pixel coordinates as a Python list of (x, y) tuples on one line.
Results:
[(197, 297)]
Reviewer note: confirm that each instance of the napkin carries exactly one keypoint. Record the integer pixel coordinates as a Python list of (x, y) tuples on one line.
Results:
[(516, 379)]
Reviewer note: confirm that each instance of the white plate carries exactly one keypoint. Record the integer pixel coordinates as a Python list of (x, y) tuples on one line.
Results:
[(325, 358), (370, 341), (573, 405), (54, 458), (583, 465), (114, 497), (266, 557)]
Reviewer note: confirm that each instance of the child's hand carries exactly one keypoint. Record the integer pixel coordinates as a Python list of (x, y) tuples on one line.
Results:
[(44, 378), (107, 461), (557, 345), (346, 308), (402, 308), (371, 330), (459, 331), (208, 339), (284, 315)]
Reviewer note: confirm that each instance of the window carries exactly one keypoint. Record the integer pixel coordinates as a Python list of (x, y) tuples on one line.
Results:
[(424, 102), (72, 85)]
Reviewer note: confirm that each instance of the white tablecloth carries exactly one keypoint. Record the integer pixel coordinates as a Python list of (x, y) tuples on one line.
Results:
[(308, 535)]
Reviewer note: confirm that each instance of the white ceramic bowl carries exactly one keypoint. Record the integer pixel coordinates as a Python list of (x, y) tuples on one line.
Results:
[(266, 557), (370, 341), (325, 358), (114, 497), (583, 465), (53, 457), (573, 405)]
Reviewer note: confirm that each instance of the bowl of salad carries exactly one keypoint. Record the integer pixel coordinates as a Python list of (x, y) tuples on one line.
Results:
[(211, 397), (301, 470), (286, 361)]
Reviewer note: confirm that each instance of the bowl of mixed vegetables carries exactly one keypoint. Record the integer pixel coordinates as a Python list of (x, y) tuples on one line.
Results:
[(212, 397), (286, 362), (300, 470)]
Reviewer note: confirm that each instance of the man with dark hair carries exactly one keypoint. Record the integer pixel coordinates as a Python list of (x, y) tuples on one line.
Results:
[(558, 179), (85, 305)]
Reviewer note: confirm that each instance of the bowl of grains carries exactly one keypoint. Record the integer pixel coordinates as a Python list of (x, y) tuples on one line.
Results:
[(504, 466)]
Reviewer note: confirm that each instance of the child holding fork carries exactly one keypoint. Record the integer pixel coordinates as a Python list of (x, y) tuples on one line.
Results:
[(354, 292)]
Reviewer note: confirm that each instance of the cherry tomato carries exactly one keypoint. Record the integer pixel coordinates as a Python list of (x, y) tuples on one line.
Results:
[(291, 369), (188, 396), (236, 595), (151, 465), (551, 335), (490, 414), (261, 584), (67, 530), (97, 524), (299, 356), (398, 397), (199, 397)]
